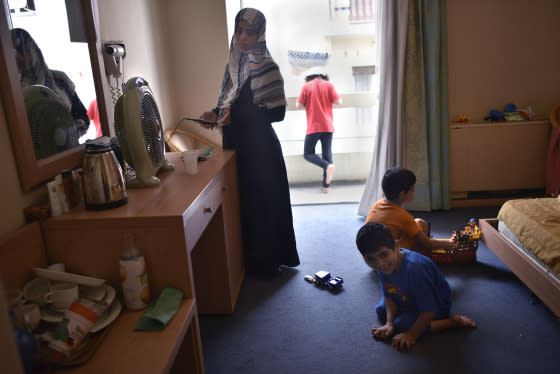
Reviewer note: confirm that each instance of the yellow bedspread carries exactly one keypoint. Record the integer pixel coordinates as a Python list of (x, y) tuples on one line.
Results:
[(536, 223)]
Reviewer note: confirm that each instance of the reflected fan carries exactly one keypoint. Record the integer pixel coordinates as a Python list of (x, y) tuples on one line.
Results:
[(140, 133), (51, 124)]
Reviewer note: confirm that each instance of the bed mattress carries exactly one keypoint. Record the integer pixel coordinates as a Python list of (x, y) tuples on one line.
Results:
[(534, 225)]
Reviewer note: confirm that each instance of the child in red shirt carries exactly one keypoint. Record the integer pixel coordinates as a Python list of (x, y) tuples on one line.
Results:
[(318, 96)]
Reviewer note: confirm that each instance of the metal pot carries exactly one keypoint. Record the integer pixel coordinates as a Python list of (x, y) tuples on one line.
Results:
[(103, 181)]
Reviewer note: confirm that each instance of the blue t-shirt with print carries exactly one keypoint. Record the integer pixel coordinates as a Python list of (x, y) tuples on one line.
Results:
[(417, 285)]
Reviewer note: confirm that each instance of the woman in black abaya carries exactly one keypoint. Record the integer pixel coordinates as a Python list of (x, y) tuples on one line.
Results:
[(252, 97)]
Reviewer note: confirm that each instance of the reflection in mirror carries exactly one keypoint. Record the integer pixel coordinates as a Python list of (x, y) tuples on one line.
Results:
[(53, 67), (76, 52)]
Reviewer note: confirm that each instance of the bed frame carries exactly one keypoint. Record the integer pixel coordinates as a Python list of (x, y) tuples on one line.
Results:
[(544, 285)]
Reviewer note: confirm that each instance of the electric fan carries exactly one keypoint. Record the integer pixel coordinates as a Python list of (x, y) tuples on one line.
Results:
[(52, 126), (140, 133)]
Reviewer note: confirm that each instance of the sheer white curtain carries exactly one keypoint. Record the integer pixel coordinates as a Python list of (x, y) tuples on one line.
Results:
[(388, 152)]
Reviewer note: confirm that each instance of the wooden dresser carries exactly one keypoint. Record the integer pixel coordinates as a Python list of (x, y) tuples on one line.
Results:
[(497, 156), (188, 230)]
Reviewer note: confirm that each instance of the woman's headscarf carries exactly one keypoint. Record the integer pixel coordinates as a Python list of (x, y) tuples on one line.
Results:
[(257, 64), (34, 70)]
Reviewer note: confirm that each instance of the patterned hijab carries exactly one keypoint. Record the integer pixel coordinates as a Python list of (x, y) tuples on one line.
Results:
[(33, 69), (257, 64)]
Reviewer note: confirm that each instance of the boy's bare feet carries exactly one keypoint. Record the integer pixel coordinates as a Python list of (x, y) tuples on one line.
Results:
[(325, 190), (330, 171), (454, 321), (462, 321)]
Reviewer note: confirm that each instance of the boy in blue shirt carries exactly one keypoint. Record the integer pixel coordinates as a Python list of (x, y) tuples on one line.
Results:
[(416, 296)]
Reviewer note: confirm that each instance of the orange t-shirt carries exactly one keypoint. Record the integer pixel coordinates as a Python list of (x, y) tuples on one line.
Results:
[(397, 219)]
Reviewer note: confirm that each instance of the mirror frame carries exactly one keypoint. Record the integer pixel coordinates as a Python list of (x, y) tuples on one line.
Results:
[(33, 172)]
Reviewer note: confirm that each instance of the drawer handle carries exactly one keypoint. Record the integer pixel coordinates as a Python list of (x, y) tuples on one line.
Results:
[(207, 210)]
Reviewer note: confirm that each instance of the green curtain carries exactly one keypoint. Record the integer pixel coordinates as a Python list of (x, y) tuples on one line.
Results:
[(426, 109)]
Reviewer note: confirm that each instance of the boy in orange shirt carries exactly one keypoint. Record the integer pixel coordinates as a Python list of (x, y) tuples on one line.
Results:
[(414, 234)]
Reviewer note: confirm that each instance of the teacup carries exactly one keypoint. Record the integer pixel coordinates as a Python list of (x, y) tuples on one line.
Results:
[(37, 291), (57, 267), (62, 295), (31, 316)]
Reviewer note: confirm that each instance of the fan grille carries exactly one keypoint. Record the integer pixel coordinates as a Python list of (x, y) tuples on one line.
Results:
[(52, 127), (151, 125)]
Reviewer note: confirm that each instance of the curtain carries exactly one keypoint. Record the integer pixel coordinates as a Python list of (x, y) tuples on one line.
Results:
[(413, 128), (392, 27), (426, 124)]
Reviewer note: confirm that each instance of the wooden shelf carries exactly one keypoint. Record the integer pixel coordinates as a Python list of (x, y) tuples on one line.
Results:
[(124, 350)]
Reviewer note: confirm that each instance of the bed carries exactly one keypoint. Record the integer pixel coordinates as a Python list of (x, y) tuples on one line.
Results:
[(526, 237)]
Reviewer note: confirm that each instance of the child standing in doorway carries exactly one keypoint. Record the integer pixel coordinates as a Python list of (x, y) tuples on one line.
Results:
[(318, 96)]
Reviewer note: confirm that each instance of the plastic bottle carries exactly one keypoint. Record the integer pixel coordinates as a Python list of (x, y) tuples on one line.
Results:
[(134, 276)]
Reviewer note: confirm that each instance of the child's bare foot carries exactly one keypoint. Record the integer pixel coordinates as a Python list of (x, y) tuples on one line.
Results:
[(330, 171), (462, 321), (454, 321)]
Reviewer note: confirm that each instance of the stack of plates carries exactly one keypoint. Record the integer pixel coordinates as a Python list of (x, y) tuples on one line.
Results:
[(94, 289)]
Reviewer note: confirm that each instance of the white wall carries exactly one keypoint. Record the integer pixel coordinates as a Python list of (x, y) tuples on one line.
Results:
[(503, 51)]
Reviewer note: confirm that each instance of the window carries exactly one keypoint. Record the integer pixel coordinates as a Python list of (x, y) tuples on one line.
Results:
[(335, 37)]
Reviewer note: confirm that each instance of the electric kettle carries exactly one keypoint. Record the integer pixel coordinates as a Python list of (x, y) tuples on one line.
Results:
[(103, 181)]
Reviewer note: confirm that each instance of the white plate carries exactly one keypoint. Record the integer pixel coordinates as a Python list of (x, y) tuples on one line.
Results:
[(68, 277), (109, 316)]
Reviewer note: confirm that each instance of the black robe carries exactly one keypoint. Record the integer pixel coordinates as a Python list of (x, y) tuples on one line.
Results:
[(266, 211)]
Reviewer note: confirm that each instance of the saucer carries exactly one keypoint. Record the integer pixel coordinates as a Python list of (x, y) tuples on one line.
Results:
[(57, 310), (106, 318), (51, 316)]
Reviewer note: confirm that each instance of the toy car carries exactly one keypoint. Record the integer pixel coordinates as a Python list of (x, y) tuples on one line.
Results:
[(324, 279)]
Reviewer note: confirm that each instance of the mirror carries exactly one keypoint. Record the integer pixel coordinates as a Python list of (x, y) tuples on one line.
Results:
[(33, 171)]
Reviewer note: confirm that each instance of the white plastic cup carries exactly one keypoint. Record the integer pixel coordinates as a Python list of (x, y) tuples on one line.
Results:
[(31, 316), (190, 160), (15, 303)]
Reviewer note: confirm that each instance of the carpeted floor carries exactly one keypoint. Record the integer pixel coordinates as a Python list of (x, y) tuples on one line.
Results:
[(286, 325)]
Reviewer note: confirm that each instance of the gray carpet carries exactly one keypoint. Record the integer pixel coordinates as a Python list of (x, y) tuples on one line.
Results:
[(286, 325)]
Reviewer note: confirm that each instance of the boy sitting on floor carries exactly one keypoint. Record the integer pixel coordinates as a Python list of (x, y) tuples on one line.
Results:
[(398, 187), (416, 296)]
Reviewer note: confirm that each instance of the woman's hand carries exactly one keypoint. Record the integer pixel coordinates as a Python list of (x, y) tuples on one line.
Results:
[(226, 117), (208, 116)]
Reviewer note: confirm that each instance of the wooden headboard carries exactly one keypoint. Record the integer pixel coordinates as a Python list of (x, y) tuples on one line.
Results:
[(19, 253)]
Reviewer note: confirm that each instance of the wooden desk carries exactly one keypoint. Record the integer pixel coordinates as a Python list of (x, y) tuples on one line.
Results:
[(188, 230)]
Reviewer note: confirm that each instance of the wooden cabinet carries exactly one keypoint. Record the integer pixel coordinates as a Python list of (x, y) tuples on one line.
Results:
[(498, 156), (188, 230)]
